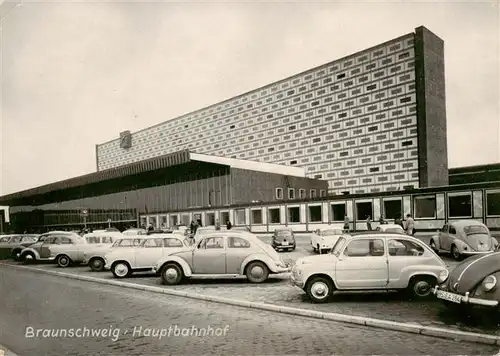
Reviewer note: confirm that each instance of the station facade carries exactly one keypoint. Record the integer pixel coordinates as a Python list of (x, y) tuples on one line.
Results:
[(373, 121)]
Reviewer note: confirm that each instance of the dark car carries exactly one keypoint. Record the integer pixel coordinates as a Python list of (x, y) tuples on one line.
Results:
[(473, 282), (283, 239), (13, 245)]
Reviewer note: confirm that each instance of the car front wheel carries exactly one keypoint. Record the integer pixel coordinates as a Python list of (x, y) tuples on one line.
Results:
[(319, 289), (96, 264), (455, 253), (433, 246), (28, 257), (63, 261), (171, 274), (121, 270), (257, 272)]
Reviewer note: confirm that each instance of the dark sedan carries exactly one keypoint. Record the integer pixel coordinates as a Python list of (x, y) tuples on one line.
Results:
[(13, 245), (474, 282), (283, 239)]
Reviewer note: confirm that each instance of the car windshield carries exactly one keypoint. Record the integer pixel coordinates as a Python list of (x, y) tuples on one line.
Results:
[(283, 233), (331, 232), (394, 229), (475, 229), (338, 246)]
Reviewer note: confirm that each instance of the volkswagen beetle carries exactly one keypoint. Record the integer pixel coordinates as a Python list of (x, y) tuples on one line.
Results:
[(464, 238), (473, 282)]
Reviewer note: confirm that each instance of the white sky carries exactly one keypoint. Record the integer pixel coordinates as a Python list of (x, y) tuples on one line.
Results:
[(76, 74)]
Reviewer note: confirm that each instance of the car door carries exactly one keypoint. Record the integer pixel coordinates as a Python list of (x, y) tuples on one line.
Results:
[(238, 248), (69, 247), (444, 243), (363, 265), (209, 256), (44, 249), (452, 235), (148, 253)]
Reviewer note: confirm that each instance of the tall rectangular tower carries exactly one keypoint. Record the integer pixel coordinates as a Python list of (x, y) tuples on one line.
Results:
[(372, 121)]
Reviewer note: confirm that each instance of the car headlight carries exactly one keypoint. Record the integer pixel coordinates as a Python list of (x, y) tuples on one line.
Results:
[(280, 264), (489, 283), (443, 275)]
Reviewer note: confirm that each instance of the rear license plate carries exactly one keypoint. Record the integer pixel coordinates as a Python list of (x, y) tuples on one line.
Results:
[(285, 243), (451, 297)]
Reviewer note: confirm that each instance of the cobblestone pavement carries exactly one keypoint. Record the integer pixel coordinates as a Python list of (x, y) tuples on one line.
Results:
[(133, 321)]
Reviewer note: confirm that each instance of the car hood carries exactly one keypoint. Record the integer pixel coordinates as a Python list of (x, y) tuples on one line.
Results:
[(318, 259), (470, 272), (479, 242), (330, 238)]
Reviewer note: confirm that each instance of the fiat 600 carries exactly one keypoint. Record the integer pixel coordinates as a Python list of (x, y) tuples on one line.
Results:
[(474, 282), (222, 253), (371, 261)]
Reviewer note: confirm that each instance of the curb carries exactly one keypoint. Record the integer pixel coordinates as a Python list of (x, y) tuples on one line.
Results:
[(455, 335)]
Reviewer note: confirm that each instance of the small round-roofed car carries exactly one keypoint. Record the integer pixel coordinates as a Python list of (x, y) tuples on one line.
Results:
[(371, 261), (464, 238), (395, 228), (473, 282), (222, 253)]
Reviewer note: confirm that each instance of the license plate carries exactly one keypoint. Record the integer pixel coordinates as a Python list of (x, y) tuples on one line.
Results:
[(285, 243), (451, 297)]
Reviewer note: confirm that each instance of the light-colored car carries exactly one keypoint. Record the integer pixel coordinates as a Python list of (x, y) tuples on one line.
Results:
[(464, 238), (324, 238), (95, 257), (41, 250), (134, 232), (205, 230), (222, 253), (74, 252), (371, 261), (393, 228), (141, 256)]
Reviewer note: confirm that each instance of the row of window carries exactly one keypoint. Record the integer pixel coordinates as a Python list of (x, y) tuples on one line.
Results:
[(301, 195)]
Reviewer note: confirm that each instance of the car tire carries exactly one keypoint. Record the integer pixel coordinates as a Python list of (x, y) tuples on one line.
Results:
[(433, 246), (317, 248), (420, 287), (455, 253), (16, 255), (171, 274), (257, 272), (63, 261), (96, 264), (28, 257), (121, 269), (319, 289)]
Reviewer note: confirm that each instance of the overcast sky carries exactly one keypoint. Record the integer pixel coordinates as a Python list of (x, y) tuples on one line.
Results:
[(77, 74)]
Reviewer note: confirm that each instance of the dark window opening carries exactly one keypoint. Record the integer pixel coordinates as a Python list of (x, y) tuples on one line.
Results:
[(460, 206), (294, 215), (393, 209), (274, 215), (315, 213), (364, 210)]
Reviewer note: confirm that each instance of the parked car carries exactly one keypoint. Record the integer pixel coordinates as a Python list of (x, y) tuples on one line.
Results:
[(203, 231), (463, 238), (324, 238), (222, 253), (95, 257), (73, 252), (134, 231), (283, 239), (142, 256), (14, 244), (393, 228), (371, 261), (473, 282), (40, 250)]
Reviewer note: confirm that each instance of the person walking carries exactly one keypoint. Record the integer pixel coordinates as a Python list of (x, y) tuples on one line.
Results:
[(410, 225), (346, 223), (217, 224), (369, 223), (398, 220), (229, 225), (382, 220)]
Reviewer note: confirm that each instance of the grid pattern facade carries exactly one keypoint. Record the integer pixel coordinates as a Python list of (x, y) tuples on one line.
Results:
[(352, 122)]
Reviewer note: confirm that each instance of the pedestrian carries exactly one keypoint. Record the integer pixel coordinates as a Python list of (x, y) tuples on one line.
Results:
[(346, 223), (382, 220), (199, 223), (191, 227), (229, 225), (410, 225), (217, 224), (398, 220), (369, 223)]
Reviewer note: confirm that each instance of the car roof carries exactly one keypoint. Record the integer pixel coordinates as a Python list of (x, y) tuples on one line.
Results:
[(390, 226), (378, 234), (330, 227), (103, 233), (464, 223)]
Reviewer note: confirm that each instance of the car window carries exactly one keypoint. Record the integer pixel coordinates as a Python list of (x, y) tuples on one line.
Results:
[(29, 239), (92, 239), (125, 243), (5, 238), (106, 239), (402, 247), (237, 242), (49, 240), (212, 242), (365, 248), (452, 230), (15, 239), (395, 230), (338, 246), (444, 228), (64, 240), (153, 243), (170, 242), (475, 229), (331, 232)]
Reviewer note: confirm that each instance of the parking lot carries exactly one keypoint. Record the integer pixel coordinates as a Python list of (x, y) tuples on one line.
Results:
[(278, 290)]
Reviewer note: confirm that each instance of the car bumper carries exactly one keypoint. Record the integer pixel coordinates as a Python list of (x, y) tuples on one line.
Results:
[(296, 281), (442, 294), (281, 246), (473, 253), (155, 269)]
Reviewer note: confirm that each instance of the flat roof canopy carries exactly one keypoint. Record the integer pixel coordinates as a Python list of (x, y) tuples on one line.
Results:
[(149, 165)]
